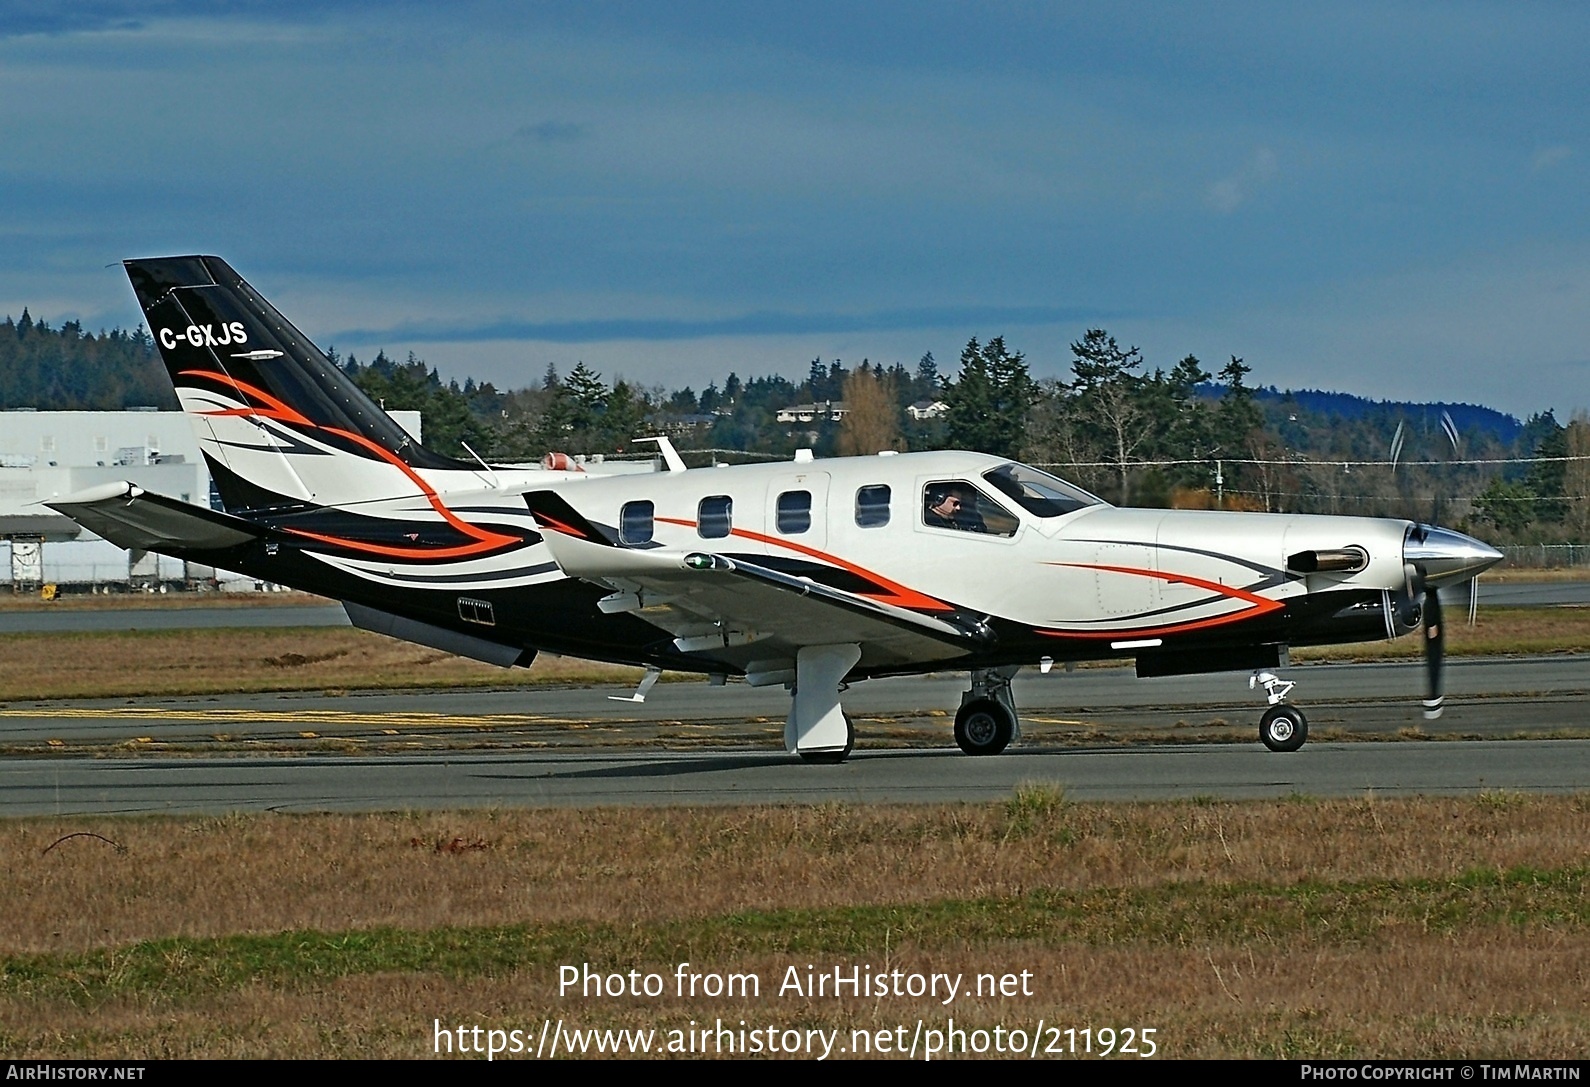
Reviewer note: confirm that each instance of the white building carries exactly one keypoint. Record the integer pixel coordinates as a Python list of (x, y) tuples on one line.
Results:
[(810, 413), (48, 454)]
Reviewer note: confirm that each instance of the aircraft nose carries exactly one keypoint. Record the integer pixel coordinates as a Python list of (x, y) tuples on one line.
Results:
[(1445, 556)]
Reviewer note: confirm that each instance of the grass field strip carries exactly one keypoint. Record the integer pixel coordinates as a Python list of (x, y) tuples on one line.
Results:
[(324, 718)]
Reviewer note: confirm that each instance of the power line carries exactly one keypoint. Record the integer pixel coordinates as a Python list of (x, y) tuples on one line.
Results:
[(1395, 498), (1300, 463)]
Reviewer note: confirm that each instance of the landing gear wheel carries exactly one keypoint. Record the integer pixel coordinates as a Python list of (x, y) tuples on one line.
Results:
[(833, 758), (1283, 727), (983, 727)]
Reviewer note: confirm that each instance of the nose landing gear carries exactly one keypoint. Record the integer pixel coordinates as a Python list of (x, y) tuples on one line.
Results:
[(1283, 726)]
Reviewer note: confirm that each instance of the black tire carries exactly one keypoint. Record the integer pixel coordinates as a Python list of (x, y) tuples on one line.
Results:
[(1283, 728), (984, 727), (833, 758)]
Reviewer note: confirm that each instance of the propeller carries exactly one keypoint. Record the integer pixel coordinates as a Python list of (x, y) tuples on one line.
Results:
[(1434, 654), (1431, 557), (1420, 603)]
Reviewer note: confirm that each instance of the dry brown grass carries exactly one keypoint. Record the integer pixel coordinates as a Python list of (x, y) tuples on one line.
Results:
[(1499, 632), (1534, 575), (1500, 995), (1402, 979), (32, 601), (165, 662), (336, 872)]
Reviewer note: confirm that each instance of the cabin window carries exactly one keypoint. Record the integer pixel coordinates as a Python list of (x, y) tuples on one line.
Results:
[(476, 611), (872, 506), (1039, 493), (794, 512), (635, 523), (715, 517)]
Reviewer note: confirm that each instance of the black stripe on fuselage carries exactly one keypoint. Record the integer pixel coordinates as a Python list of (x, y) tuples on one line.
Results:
[(290, 515), (562, 616)]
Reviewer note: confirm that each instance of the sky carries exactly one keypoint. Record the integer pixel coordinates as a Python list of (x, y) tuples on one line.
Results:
[(1382, 198)]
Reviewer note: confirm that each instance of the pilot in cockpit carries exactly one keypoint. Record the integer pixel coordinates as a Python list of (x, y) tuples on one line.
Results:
[(951, 505)]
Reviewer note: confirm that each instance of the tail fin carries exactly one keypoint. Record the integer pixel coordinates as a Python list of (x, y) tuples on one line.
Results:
[(280, 425)]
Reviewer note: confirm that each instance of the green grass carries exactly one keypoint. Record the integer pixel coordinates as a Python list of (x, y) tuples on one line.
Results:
[(1319, 914)]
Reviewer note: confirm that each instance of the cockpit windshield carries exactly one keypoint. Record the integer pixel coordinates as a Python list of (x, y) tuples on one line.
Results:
[(1039, 493)]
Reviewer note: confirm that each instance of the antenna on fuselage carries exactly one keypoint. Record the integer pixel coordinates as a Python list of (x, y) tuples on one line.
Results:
[(495, 482), (670, 455)]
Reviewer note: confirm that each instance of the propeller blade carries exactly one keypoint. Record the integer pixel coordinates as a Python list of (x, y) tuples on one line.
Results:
[(1434, 654), (1408, 599)]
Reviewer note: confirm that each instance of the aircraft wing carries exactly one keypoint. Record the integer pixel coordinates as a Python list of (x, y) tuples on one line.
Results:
[(748, 615), (129, 516)]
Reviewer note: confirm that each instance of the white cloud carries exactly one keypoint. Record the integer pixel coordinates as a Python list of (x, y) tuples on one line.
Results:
[(1230, 193), (1507, 330), (1547, 157)]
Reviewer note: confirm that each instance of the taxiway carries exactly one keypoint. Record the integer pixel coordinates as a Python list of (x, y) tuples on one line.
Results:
[(1099, 733)]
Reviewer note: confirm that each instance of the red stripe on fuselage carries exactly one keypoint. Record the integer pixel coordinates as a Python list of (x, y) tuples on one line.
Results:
[(552, 522), (278, 409), (485, 540), (1260, 605)]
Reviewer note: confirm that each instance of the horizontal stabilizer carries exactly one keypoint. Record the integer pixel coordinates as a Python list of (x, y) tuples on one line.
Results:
[(129, 516)]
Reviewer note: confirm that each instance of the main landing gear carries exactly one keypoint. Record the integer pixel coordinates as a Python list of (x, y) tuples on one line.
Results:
[(817, 729), (987, 721), (1283, 726)]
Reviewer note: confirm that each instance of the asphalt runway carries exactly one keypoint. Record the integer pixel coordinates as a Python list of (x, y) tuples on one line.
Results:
[(1486, 697), (172, 617), (1099, 733), (563, 779)]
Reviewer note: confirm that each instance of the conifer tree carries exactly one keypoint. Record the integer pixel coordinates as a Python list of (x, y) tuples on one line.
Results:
[(989, 401)]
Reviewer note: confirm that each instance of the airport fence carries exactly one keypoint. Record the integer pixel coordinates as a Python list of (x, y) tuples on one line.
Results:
[(1547, 556)]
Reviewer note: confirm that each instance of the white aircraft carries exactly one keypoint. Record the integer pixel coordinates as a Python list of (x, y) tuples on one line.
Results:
[(811, 574)]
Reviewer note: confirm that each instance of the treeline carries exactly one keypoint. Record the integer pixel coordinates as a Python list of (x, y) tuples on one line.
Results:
[(68, 369), (1188, 436), (580, 413), (1192, 435)]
